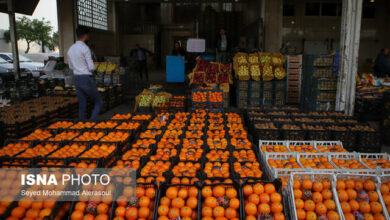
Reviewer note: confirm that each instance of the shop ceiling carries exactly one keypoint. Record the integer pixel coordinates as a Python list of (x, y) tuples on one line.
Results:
[(181, 1), (26, 7)]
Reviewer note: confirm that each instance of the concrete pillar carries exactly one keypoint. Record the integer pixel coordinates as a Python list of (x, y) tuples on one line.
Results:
[(66, 25), (14, 38), (273, 24), (166, 12), (350, 40)]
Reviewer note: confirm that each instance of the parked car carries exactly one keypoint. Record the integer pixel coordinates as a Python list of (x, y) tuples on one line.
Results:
[(25, 63), (7, 71)]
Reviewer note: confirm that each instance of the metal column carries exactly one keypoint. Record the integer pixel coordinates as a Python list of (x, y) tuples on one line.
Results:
[(349, 46), (14, 39)]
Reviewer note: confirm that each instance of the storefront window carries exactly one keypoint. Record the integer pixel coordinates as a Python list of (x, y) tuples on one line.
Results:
[(92, 13)]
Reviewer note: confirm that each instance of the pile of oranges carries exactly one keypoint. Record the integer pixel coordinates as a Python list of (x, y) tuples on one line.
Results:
[(150, 134), (121, 116), (179, 202), (190, 154), (92, 209), (220, 202), (248, 169), (216, 169), (69, 150), (144, 143), (155, 168), (199, 96), (332, 148), (287, 163), (348, 163), (90, 136), (261, 200), (274, 148), (374, 163), (65, 136), (183, 180), (187, 169), (215, 96), (61, 124), (316, 162), (83, 125), (218, 155), (115, 136), (239, 143), (164, 154), (142, 117), (38, 134), (106, 125), (99, 151), (359, 199), (135, 164), (245, 155), (37, 210), (217, 143), (140, 206), (194, 134), (12, 149), (135, 153), (192, 143), (39, 150), (303, 149), (314, 200)]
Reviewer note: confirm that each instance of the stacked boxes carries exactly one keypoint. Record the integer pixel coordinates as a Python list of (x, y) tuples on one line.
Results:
[(294, 72), (319, 83), (242, 93)]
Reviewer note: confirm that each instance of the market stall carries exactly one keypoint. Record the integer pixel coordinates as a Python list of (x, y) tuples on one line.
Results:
[(202, 164)]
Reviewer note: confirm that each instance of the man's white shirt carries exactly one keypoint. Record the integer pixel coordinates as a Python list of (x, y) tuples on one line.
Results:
[(80, 59)]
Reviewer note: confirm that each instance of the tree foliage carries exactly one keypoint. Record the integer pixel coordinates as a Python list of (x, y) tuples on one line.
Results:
[(35, 30)]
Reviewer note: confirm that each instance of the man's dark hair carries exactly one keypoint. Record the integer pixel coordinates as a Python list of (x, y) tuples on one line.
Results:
[(81, 31)]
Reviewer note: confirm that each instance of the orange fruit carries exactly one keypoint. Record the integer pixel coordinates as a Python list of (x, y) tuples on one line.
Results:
[(18, 212), (369, 185), (250, 209), (76, 215)]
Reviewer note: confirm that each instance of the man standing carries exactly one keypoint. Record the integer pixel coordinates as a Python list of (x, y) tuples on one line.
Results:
[(382, 65), (80, 61), (140, 54), (222, 46)]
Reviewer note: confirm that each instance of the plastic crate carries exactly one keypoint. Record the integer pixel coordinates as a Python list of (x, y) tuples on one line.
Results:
[(349, 156), (280, 85), (270, 172), (313, 177), (312, 134), (243, 85), (319, 60), (323, 72), (363, 177), (375, 164), (325, 83), (325, 96), (255, 86), (268, 86), (317, 156), (327, 144), (254, 102)]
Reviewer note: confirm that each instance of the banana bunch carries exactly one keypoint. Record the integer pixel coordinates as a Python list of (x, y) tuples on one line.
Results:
[(277, 60), (240, 58), (265, 59), (268, 73), (102, 67), (145, 100), (243, 70), (158, 100), (255, 72), (253, 58), (279, 72), (111, 67)]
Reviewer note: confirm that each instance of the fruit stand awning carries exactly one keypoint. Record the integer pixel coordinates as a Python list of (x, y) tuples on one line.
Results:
[(26, 7)]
